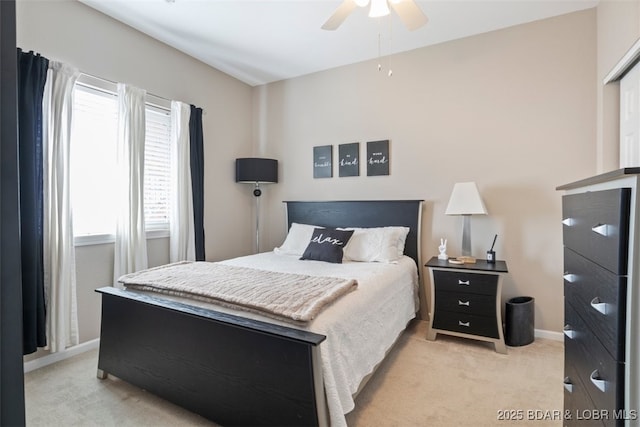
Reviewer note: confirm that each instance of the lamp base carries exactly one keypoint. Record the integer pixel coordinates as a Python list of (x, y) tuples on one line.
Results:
[(466, 236)]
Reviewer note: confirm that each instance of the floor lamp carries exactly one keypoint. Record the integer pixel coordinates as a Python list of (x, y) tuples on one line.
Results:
[(465, 200), (256, 171)]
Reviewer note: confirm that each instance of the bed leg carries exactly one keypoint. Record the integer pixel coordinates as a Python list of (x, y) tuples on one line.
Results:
[(102, 375)]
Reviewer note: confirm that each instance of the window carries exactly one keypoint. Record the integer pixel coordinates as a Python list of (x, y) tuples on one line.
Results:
[(93, 161), (157, 166), (93, 164)]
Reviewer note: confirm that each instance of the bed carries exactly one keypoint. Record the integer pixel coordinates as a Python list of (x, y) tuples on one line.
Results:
[(239, 368)]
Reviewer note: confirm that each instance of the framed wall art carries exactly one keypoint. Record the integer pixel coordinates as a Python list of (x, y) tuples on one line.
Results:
[(349, 159), (378, 158), (323, 161)]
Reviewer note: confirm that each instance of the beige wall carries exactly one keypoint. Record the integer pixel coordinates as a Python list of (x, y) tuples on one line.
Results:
[(618, 28), (71, 32), (512, 110)]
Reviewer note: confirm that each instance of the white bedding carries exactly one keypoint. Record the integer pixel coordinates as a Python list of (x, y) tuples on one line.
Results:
[(360, 327)]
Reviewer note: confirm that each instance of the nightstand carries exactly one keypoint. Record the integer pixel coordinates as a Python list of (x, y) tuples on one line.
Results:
[(466, 300)]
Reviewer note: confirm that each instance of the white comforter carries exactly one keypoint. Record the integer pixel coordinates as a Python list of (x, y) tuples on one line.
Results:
[(361, 326)]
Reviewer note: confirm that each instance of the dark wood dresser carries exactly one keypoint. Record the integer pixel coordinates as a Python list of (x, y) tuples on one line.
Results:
[(600, 300)]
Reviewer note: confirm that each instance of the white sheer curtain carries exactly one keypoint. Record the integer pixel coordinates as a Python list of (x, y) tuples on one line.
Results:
[(131, 243), (181, 221), (58, 248)]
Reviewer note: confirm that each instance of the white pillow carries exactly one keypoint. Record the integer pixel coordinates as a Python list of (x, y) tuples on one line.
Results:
[(376, 244), (297, 240), (402, 233)]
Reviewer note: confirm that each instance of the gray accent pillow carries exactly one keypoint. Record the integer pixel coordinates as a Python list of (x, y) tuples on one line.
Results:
[(327, 244)]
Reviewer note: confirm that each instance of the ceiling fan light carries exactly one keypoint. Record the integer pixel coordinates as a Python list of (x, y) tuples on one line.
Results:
[(361, 3), (378, 8)]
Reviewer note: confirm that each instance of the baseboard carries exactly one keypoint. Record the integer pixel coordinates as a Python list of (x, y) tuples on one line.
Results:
[(550, 335), (61, 355)]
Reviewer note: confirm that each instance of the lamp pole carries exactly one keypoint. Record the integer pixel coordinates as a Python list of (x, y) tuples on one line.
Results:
[(257, 192)]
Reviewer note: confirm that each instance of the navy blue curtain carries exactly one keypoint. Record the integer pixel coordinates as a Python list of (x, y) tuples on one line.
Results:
[(197, 178), (32, 73)]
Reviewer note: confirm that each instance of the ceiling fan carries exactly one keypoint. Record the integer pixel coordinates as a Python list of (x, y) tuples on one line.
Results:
[(408, 11)]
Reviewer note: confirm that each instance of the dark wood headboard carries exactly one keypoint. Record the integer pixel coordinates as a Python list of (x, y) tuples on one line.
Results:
[(363, 213)]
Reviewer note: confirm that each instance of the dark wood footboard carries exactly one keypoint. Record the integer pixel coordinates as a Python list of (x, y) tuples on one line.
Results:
[(229, 369)]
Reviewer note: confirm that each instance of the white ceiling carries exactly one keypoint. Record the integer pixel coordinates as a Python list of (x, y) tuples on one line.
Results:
[(262, 41)]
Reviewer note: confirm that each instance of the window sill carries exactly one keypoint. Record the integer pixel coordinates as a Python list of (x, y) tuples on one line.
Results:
[(104, 239)]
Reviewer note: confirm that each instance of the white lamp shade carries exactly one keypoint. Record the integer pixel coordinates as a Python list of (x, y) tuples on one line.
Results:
[(465, 200)]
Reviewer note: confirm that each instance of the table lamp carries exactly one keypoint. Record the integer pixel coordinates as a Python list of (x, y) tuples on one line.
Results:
[(466, 201), (256, 171)]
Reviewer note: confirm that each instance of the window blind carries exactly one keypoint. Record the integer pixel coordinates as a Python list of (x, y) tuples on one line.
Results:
[(157, 159)]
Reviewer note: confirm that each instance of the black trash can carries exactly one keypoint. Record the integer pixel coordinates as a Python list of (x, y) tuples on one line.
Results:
[(519, 321)]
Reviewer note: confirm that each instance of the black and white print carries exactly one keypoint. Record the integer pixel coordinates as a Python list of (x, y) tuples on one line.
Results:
[(349, 159), (323, 161), (378, 158)]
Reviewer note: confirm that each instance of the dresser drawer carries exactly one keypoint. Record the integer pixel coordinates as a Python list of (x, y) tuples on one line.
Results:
[(599, 297), (601, 375), (466, 323), (578, 406), (460, 302), (471, 283), (596, 225)]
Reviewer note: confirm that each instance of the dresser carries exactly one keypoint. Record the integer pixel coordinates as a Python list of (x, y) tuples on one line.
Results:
[(599, 226), (466, 300)]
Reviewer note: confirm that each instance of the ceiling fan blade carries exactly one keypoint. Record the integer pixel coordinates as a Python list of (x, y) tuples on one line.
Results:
[(410, 14), (338, 17)]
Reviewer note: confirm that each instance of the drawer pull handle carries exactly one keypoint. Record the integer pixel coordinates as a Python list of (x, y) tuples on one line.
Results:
[(570, 277), (570, 333), (463, 303), (599, 383), (600, 229), (570, 222), (464, 282), (568, 385), (465, 324), (600, 307)]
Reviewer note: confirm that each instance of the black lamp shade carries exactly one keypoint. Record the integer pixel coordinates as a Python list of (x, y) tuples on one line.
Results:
[(254, 169)]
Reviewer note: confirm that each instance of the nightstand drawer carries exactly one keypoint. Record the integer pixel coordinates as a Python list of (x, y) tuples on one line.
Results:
[(471, 283), (599, 298), (466, 323), (596, 224), (483, 305)]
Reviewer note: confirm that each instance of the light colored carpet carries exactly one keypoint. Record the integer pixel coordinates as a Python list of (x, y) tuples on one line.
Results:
[(450, 381)]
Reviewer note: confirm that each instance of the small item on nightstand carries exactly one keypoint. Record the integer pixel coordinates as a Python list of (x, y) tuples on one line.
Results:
[(462, 260), (491, 255), (443, 249)]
